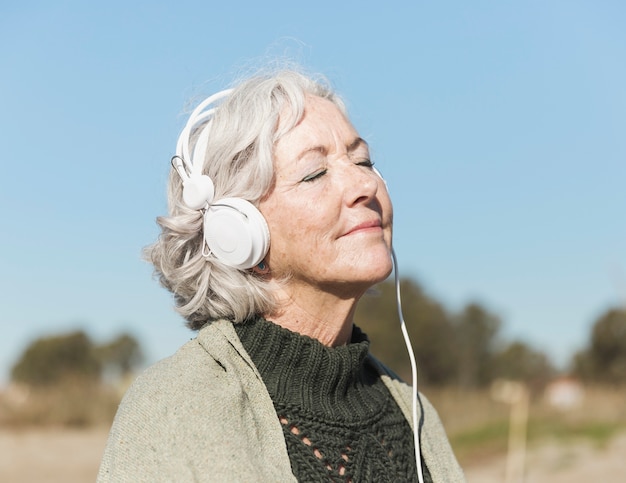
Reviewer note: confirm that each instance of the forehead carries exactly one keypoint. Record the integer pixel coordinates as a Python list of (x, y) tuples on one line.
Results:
[(322, 126)]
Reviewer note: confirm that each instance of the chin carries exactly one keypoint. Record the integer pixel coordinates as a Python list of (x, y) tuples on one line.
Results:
[(384, 274), (377, 268)]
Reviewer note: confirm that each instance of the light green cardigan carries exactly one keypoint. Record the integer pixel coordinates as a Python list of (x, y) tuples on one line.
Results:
[(204, 414)]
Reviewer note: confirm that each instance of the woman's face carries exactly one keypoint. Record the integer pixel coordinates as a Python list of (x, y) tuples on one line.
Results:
[(329, 213)]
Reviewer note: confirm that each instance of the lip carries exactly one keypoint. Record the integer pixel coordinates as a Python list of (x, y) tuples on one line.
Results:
[(370, 225)]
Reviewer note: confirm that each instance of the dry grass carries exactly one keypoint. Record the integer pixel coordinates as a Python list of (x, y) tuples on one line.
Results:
[(75, 404), (478, 426)]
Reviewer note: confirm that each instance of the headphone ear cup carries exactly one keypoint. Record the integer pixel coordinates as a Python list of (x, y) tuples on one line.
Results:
[(236, 233), (197, 191)]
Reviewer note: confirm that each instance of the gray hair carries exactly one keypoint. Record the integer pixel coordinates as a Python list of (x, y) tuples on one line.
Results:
[(239, 160)]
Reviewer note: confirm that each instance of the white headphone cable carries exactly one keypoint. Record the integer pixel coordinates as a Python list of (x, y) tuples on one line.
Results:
[(407, 342)]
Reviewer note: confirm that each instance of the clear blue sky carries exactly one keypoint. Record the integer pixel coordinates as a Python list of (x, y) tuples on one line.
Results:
[(500, 127)]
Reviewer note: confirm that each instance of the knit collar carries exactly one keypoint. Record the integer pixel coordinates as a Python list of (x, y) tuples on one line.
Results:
[(329, 382)]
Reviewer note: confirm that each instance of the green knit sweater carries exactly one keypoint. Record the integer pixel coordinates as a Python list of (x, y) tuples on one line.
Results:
[(339, 419)]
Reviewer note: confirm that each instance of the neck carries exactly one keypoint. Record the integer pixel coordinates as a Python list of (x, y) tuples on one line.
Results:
[(316, 313)]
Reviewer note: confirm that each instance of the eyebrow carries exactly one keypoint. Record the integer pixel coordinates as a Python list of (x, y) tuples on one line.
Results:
[(353, 146)]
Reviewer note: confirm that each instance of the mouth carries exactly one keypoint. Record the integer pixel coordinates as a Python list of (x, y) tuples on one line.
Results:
[(370, 226)]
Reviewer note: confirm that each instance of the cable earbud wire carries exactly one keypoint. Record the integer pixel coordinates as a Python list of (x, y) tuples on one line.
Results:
[(409, 348)]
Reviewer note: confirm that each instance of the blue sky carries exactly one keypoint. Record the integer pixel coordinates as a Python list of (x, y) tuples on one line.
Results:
[(499, 127)]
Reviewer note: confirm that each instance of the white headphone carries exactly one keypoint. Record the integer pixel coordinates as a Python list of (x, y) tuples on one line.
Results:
[(234, 230)]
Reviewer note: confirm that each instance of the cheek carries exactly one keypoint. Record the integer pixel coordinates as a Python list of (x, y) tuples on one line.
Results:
[(383, 196), (386, 205), (297, 233), (285, 225)]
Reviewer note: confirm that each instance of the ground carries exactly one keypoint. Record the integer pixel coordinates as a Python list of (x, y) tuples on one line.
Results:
[(73, 456), (551, 462)]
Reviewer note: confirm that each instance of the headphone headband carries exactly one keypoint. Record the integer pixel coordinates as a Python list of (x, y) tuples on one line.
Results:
[(198, 116)]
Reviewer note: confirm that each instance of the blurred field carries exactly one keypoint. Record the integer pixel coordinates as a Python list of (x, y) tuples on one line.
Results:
[(478, 425), (585, 442), (51, 455)]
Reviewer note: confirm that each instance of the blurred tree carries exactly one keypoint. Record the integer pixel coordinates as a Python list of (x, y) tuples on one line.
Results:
[(120, 356), (605, 359), (582, 365), (49, 360), (427, 323), (449, 349), (476, 330), (519, 362), (432, 335), (376, 315)]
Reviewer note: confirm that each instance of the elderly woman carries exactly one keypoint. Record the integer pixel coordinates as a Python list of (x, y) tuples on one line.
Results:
[(278, 224)]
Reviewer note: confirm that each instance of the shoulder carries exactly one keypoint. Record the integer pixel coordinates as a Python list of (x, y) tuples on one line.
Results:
[(191, 370), (168, 397), (187, 366), (202, 368), (205, 377)]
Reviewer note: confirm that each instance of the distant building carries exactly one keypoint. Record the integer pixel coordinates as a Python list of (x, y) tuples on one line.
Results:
[(565, 393)]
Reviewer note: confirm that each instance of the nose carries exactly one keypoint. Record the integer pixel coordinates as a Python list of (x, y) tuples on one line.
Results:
[(361, 184)]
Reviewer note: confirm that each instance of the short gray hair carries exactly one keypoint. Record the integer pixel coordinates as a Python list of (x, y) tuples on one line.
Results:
[(239, 160)]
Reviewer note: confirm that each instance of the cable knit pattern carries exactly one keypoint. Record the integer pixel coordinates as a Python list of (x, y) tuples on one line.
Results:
[(339, 420)]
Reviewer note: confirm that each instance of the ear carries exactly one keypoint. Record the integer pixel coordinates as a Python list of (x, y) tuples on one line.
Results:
[(262, 268)]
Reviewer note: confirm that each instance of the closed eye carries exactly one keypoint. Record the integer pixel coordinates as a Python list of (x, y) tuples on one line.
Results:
[(314, 176), (367, 163)]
